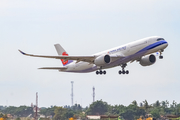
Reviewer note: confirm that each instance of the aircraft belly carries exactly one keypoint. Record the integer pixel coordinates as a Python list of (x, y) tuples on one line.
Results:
[(83, 67), (80, 67)]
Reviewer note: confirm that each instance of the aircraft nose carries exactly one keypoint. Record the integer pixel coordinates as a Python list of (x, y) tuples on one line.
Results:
[(166, 43)]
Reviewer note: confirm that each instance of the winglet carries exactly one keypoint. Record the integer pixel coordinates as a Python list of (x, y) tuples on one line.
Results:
[(22, 52)]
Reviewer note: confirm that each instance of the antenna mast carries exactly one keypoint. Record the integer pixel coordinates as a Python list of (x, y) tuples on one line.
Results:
[(72, 92), (36, 106), (93, 94)]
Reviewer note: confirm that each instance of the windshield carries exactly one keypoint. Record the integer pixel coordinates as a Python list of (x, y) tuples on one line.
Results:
[(160, 39)]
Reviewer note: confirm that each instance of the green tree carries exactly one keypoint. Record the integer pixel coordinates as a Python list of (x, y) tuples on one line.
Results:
[(82, 115), (155, 113), (60, 113), (167, 103), (146, 106), (157, 104), (134, 102), (163, 104), (174, 104), (141, 104), (178, 109), (132, 112), (77, 107), (117, 109), (48, 111), (1, 115), (22, 111), (128, 114), (69, 113), (98, 108), (18, 118)]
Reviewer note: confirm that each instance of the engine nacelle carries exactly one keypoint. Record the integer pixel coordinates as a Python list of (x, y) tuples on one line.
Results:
[(102, 60), (148, 60)]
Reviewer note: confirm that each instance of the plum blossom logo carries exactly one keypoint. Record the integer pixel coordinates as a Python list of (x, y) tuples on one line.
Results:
[(64, 61)]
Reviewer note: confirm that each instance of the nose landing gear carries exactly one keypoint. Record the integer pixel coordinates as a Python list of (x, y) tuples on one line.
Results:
[(161, 57), (123, 71)]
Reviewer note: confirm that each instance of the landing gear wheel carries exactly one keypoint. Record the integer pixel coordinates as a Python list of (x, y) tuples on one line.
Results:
[(123, 72), (100, 72), (160, 57)]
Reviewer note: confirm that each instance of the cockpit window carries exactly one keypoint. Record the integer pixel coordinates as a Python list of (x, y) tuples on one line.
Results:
[(160, 39)]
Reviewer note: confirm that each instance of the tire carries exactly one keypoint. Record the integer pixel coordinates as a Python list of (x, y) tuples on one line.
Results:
[(160, 57), (123, 72)]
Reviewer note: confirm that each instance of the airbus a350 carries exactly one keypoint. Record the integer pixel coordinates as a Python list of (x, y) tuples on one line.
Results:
[(141, 50)]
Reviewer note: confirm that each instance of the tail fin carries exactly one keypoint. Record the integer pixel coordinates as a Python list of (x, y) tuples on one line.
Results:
[(61, 51)]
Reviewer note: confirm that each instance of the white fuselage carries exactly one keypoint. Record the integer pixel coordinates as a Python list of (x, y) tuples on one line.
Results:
[(129, 52)]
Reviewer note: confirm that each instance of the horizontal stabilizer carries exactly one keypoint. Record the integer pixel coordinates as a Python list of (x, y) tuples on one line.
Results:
[(54, 68)]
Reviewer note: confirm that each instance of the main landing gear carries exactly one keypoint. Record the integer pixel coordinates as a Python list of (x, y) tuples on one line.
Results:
[(161, 57), (123, 71), (101, 72)]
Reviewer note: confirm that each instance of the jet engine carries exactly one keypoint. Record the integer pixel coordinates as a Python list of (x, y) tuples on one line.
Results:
[(102, 60), (148, 60)]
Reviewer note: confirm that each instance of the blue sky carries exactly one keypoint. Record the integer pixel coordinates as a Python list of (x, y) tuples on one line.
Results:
[(84, 28)]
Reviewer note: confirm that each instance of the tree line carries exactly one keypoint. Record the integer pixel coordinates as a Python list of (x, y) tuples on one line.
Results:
[(131, 112)]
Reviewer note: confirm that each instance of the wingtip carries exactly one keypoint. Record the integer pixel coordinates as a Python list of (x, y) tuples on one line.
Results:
[(22, 52)]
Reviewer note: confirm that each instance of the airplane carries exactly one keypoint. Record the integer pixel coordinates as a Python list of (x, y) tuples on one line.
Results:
[(142, 51)]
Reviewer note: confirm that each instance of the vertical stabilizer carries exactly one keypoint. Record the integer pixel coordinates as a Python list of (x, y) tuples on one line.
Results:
[(60, 50)]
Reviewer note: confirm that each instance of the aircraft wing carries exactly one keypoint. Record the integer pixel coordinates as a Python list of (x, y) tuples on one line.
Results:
[(89, 59)]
